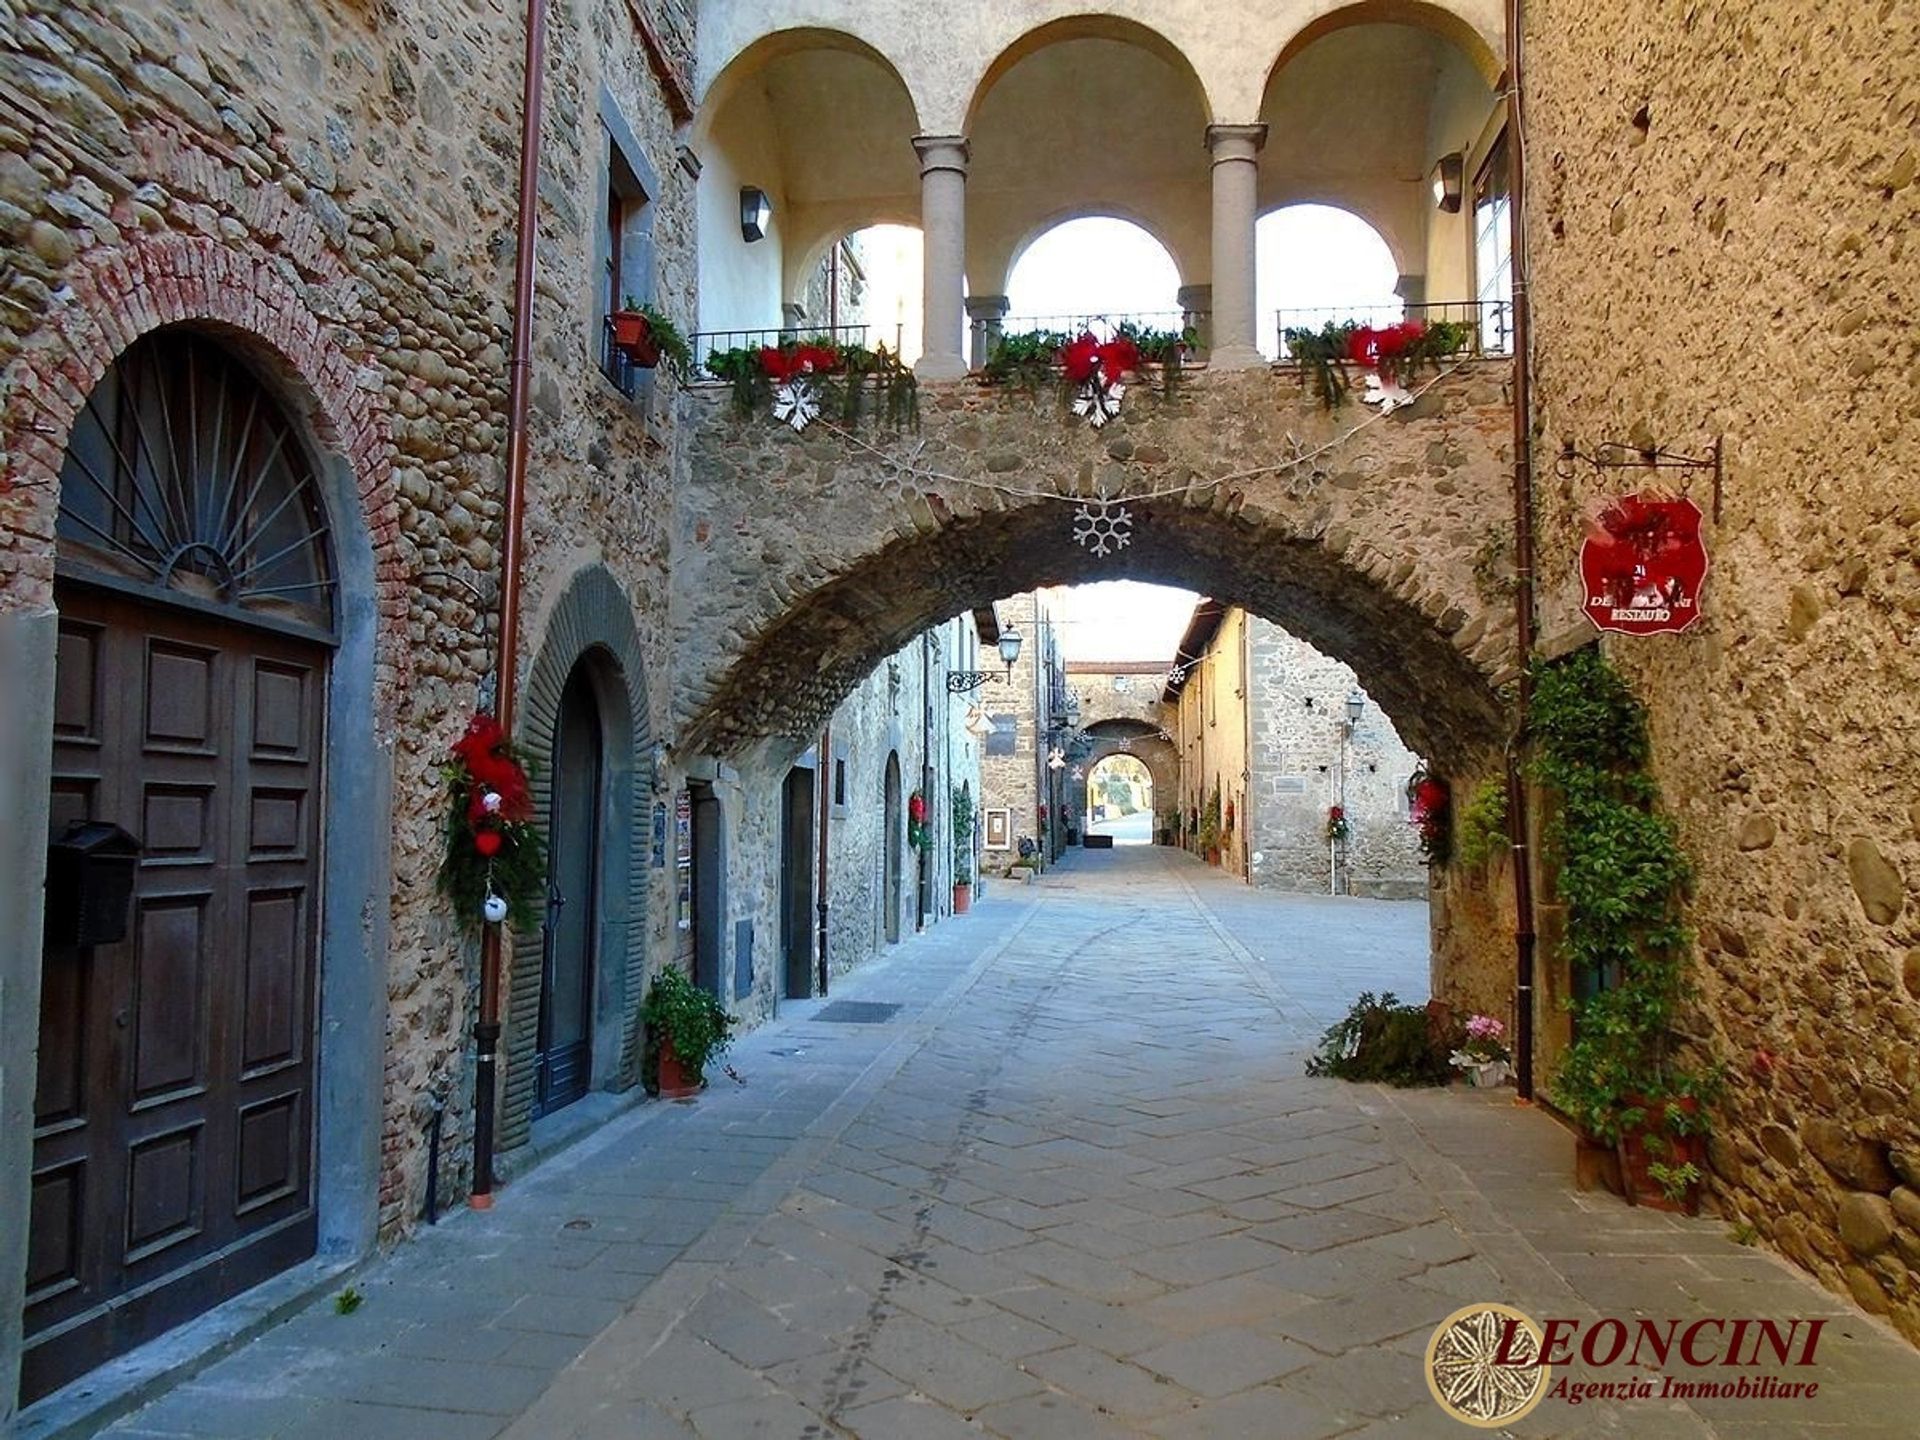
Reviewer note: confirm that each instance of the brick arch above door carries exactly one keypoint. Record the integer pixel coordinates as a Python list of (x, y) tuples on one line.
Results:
[(592, 617)]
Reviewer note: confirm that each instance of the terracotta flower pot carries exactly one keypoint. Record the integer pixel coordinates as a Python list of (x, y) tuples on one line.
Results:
[(675, 1083), (1635, 1159), (634, 336), (962, 896)]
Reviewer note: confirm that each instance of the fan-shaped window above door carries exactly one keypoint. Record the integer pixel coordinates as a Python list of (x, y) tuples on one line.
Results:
[(184, 475)]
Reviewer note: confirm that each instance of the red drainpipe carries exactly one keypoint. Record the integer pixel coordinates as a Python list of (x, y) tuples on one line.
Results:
[(1523, 562), (486, 1032)]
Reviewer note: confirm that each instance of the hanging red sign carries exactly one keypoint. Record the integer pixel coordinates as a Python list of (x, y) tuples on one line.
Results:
[(1644, 564)]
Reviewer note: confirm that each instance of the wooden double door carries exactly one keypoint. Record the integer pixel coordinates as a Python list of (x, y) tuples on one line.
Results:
[(174, 1115)]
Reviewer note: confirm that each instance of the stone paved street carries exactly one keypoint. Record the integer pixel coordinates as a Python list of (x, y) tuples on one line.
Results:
[(1076, 1185)]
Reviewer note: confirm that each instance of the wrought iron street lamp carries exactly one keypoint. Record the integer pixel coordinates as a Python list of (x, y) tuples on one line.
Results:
[(959, 682)]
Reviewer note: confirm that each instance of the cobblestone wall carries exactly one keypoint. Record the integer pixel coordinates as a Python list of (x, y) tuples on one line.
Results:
[(335, 187), (1722, 211)]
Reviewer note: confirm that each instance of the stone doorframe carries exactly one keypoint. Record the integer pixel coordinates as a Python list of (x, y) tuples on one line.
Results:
[(593, 620), (241, 297)]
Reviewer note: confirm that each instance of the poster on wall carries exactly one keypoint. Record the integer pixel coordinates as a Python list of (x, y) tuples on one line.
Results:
[(1643, 565), (683, 859), (659, 834), (999, 829)]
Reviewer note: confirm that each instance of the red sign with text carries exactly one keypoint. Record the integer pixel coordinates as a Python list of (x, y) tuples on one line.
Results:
[(1644, 565)]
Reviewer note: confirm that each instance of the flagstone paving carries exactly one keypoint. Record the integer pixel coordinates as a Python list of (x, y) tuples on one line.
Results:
[(1077, 1186)]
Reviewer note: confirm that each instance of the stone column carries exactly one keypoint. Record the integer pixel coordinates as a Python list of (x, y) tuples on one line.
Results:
[(1236, 171), (1412, 289), (943, 228), (1196, 313), (793, 317), (986, 316)]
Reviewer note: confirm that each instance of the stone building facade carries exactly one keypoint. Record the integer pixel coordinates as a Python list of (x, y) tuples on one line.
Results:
[(1679, 208), (1269, 721), (1023, 798)]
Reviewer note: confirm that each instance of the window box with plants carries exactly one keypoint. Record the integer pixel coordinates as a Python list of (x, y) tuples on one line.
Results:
[(647, 338), (1627, 1080), (686, 1028)]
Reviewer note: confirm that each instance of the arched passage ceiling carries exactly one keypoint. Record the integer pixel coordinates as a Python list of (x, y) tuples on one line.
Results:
[(945, 48), (793, 676), (1088, 125), (1369, 147)]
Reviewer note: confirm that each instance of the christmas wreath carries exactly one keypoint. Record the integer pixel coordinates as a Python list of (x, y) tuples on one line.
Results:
[(495, 867), (919, 832), (1337, 827), (1432, 816)]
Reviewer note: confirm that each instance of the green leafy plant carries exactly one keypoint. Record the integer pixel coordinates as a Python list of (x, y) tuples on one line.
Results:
[(1622, 878), (347, 1301), (674, 349), (1381, 1040), (1210, 822), (694, 1022), (1744, 1233), (1025, 359), (962, 813), (1675, 1180), (1483, 824)]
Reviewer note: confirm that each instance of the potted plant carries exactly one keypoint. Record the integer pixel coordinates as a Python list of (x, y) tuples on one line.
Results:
[(686, 1027), (1210, 828), (1482, 1052), (647, 337), (1169, 828), (962, 850)]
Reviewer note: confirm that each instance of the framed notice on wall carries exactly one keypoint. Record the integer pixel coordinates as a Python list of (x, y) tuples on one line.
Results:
[(999, 830), (683, 859)]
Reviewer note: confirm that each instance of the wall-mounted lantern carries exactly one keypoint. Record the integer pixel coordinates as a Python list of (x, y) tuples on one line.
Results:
[(1449, 178), (756, 213)]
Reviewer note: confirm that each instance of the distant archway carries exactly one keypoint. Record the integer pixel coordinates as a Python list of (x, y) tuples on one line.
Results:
[(1120, 800)]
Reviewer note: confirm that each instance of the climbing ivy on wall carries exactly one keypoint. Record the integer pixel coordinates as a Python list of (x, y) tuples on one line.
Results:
[(1622, 876)]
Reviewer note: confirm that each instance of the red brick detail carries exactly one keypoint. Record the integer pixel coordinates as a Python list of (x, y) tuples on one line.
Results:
[(121, 293)]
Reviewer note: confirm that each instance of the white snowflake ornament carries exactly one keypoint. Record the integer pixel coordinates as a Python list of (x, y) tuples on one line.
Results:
[(1098, 403), (796, 403), (1056, 759), (1103, 526), (1389, 395)]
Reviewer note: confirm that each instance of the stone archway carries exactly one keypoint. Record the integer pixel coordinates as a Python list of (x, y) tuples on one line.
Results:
[(1367, 550), (592, 621)]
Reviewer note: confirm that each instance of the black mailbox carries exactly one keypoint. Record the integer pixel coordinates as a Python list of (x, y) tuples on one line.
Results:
[(89, 884)]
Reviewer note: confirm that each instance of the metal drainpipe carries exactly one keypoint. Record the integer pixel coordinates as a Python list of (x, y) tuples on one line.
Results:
[(826, 810), (486, 1031), (926, 770), (1523, 561)]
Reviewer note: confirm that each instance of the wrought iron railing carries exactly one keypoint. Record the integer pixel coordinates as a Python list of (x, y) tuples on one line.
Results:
[(1103, 326), (1489, 322), (614, 364), (706, 342)]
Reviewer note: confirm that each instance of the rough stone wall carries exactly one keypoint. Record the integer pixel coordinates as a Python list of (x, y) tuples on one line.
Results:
[(342, 181), (1297, 754), (1011, 782), (1369, 551), (1722, 208)]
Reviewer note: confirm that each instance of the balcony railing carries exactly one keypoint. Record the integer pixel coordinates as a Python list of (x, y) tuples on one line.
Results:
[(1104, 326), (1489, 322), (614, 364), (705, 342)]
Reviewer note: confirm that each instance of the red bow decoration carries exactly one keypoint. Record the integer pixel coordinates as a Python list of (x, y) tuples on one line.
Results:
[(1379, 347), (1429, 798), (1081, 358), (483, 753), (782, 364), (917, 810)]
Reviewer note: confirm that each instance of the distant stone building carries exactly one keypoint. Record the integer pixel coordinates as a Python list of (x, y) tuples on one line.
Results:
[(1281, 734)]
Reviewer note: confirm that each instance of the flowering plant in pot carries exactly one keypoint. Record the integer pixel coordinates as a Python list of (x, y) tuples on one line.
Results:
[(1482, 1051), (647, 337), (686, 1027)]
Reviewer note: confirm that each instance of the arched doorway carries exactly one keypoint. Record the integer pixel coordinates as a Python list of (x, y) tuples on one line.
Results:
[(893, 837), (796, 881), (174, 1117), (563, 1047), (1120, 800)]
